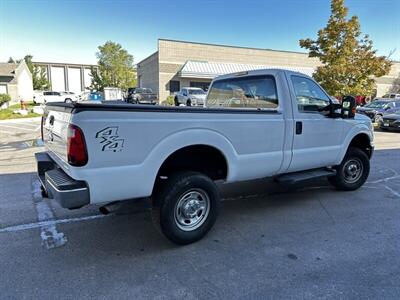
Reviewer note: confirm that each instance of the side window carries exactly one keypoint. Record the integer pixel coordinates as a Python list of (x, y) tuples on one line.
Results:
[(244, 92), (310, 97)]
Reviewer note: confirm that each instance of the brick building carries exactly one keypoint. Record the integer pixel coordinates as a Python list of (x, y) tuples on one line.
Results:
[(179, 64)]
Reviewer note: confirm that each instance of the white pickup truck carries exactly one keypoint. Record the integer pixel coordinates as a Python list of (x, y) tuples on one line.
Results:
[(256, 124)]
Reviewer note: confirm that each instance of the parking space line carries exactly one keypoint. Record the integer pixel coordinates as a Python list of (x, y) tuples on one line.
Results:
[(51, 238), (35, 225), (17, 127)]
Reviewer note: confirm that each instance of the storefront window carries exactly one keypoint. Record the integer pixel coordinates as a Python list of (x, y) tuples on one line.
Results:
[(174, 86)]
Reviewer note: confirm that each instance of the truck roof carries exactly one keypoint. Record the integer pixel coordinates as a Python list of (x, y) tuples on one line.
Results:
[(271, 71)]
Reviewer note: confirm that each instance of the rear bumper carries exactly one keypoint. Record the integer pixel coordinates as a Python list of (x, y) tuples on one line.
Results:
[(68, 192)]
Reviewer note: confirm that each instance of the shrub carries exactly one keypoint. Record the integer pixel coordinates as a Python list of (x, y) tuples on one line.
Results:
[(169, 101), (4, 98)]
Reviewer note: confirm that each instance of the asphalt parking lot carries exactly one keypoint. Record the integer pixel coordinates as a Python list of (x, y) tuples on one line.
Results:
[(269, 242)]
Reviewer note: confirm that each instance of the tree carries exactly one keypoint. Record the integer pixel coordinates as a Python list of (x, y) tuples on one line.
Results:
[(115, 68), (11, 60), (39, 78), (349, 63)]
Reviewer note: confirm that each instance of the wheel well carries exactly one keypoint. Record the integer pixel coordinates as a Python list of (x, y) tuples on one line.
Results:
[(199, 158), (362, 142)]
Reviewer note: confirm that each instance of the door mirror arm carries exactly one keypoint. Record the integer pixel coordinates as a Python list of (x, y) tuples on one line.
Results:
[(330, 110)]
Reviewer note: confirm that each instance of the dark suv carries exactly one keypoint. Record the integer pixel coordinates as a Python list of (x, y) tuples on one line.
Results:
[(377, 108)]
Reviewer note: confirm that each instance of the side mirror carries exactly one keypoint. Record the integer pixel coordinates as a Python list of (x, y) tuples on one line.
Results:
[(348, 107)]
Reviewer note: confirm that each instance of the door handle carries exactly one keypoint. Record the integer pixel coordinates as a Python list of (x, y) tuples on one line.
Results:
[(299, 127)]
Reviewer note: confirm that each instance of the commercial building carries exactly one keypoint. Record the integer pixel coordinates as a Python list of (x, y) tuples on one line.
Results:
[(179, 64), (67, 77), (16, 81)]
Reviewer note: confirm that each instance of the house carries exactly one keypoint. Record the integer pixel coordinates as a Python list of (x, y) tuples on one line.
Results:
[(16, 81)]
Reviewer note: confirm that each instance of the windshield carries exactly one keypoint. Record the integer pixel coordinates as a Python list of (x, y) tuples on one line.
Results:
[(144, 91), (196, 92), (376, 104)]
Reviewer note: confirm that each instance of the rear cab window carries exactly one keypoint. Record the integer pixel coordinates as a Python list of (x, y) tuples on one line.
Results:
[(257, 92)]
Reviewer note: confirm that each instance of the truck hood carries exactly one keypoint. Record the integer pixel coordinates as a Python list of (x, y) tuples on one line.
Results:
[(200, 97), (361, 117)]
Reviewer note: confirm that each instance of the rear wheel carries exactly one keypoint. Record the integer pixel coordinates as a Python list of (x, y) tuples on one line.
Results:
[(188, 102), (176, 101), (352, 172), (185, 207)]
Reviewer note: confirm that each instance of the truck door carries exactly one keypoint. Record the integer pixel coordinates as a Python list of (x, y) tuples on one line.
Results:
[(318, 138)]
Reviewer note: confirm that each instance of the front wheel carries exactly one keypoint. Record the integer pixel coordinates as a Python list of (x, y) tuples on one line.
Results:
[(352, 172), (185, 207)]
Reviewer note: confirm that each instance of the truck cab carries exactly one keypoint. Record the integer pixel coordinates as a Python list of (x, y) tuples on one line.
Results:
[(265, 123)]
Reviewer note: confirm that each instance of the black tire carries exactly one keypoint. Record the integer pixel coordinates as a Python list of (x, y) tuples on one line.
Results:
[(176, 101), (168, 198), (355, 159), (188, 102)]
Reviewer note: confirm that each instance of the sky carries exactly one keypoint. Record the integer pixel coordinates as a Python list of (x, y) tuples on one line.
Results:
[(71, 31)]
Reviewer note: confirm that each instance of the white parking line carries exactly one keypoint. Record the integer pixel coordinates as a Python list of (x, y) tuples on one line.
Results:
[(51, 238), (35, 225), (30, 124), (17, 127)]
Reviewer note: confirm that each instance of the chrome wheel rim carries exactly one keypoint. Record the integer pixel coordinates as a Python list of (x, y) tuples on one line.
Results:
[(353, 170), (192, 209)]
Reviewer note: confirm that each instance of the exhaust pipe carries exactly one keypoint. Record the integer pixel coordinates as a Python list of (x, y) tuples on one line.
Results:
[(109, 207)]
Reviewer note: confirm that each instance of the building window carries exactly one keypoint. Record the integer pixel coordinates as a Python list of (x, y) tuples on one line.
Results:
[(203, 85), (174, 86)]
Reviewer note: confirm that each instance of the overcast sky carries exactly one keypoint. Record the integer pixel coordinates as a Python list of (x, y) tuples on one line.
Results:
[(70, 31)]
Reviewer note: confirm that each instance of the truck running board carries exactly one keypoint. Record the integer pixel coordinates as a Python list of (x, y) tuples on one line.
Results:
[(293, 178)]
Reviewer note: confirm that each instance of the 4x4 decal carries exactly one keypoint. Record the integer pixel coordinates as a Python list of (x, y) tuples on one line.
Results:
[(110, 139)]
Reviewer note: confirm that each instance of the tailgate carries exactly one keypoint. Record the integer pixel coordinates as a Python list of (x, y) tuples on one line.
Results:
[(55, 128)]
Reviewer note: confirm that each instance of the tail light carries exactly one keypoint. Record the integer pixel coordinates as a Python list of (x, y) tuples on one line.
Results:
[(76, 147)]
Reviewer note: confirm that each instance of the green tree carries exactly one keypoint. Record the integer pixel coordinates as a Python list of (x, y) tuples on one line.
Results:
[(349, 63), (39, 78), (115, 68)]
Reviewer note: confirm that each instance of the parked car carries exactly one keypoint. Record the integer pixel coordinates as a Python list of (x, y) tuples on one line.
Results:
[(390, 121), (391, 96), (255, 124), (190, 96), (51, 96), (141, 96), (377, 108)]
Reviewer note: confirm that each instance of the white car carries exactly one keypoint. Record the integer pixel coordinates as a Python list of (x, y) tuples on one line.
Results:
[(190, 96), (391, 96), (256, 124), (51, 96)]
